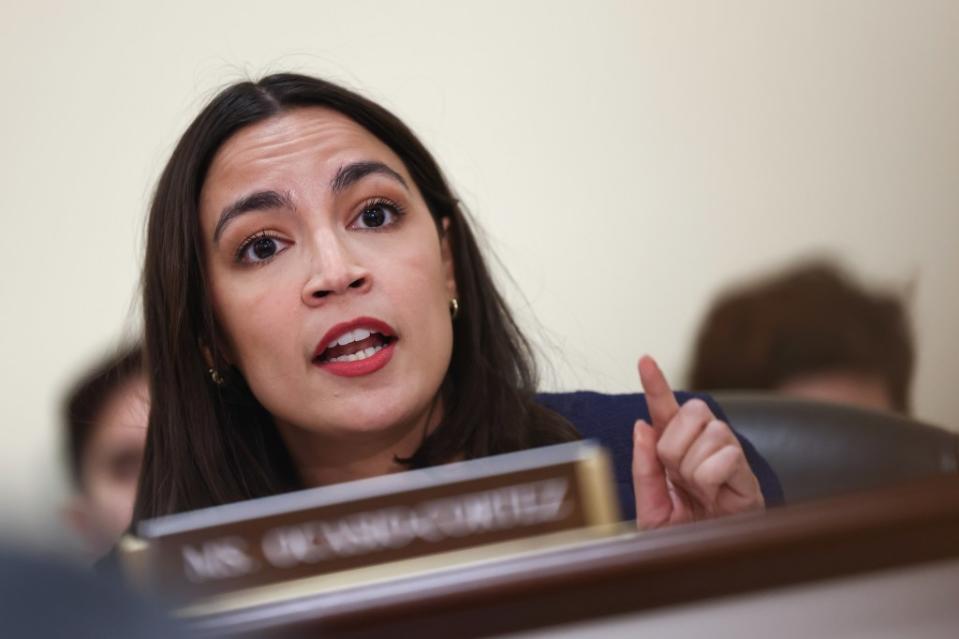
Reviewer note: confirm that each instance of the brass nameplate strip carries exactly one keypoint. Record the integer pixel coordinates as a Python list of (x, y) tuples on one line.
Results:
[(457, 506)]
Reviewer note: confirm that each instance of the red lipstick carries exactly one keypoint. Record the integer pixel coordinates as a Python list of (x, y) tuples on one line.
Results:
[(382, 338)]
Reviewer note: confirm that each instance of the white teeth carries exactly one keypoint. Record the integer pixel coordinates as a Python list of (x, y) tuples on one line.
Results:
[(363, 354), (356, 335)]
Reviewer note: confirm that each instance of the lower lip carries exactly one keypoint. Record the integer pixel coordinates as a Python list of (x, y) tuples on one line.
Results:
[(367, 366)]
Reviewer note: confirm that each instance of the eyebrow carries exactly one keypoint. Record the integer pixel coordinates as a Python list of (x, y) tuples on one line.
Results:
[(259, 201), (346, 176), (350, 174)]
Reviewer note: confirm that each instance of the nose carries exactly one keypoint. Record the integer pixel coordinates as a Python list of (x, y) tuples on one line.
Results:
[(335, 270)]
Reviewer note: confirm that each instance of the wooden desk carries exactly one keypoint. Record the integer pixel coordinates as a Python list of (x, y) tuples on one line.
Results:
[(636, 576)]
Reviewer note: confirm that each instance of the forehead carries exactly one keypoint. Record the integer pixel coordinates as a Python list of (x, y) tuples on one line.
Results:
[(309, 137)]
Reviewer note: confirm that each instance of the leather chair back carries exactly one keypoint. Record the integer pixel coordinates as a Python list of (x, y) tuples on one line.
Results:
[(821, 449)]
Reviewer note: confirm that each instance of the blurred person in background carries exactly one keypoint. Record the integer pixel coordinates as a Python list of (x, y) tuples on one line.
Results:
[(106, 415), (47, 597), (810, 332)]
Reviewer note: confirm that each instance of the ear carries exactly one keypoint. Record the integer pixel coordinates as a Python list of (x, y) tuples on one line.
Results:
[(446, 254), (208, 354)]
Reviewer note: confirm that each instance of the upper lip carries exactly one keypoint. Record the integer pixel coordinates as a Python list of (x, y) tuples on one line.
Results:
[(375, 325)]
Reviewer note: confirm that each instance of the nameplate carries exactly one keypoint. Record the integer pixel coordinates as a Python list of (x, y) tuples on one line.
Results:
[(392, 518)]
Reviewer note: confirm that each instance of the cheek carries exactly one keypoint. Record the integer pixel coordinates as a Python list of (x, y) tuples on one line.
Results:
[(255, 312), (419, 284), (112, 501), (421, 295)]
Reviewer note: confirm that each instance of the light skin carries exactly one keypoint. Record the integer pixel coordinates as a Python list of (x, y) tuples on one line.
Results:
[(110, 467), (841, 387), (313, 263), (687, 465), (326, 265)]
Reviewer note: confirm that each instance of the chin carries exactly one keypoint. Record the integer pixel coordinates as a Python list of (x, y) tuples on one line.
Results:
[(366, 414)]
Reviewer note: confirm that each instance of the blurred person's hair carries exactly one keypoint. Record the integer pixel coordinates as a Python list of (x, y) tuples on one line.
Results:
[(811, 319), (88, 397)]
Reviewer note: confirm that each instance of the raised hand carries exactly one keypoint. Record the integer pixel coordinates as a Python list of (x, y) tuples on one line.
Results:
[(688, 465)]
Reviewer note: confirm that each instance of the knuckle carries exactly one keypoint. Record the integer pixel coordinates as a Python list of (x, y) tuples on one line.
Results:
[(668, 453), (695, 411), (687, 468), (735, 453), (718, 429), (709, 476), (695, 407), (690, 474)]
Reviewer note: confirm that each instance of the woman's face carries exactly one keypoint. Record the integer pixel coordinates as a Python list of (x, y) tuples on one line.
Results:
[(327, 275)]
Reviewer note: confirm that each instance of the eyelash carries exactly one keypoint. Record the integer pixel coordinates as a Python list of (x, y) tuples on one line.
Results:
[(245, 244), (397, 210)]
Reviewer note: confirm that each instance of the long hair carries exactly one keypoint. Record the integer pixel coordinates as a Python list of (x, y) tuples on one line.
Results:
[(210, 444)]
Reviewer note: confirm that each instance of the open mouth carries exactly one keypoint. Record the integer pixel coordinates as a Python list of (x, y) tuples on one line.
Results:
[(354, 345)]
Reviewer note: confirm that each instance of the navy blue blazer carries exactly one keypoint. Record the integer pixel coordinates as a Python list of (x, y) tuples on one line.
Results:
[(609, 420)]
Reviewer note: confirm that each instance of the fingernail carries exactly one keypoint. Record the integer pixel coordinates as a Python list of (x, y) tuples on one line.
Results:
[(639, 424)]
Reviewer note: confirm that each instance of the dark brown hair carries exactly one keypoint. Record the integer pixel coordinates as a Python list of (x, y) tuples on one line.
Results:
[(812, 319), (211, 444), (86, 400)]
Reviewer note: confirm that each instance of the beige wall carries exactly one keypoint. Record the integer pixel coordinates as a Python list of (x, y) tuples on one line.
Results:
[(626, 160)]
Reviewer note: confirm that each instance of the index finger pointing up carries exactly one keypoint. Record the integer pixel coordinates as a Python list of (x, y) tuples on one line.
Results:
[(659, 396)]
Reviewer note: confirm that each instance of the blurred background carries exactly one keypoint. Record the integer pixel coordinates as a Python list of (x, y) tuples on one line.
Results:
[(626, 162)]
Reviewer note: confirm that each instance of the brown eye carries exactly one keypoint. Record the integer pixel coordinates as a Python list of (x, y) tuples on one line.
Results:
[(264, 247), (376, 215), (261, 248)]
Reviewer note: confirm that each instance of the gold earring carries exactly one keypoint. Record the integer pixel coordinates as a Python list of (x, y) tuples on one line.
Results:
[(216, 377), (454, 307)]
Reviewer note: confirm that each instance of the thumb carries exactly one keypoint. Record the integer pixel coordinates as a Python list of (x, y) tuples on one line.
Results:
[(654, 507)]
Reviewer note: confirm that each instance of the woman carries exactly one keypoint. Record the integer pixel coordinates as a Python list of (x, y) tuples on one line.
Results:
[(317, 310)]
